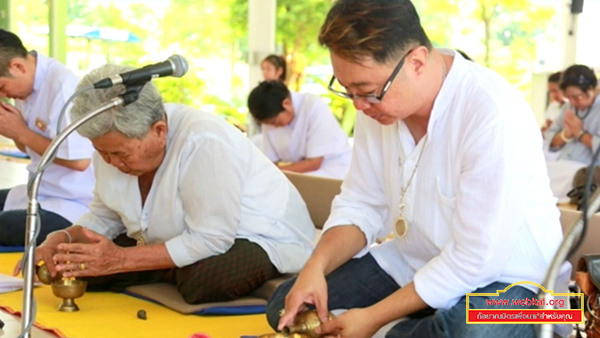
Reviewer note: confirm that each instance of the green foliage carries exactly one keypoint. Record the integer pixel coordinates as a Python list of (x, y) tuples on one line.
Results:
[(497, 33)]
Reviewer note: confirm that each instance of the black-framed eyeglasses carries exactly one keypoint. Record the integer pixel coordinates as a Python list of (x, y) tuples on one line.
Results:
[(371, 98)]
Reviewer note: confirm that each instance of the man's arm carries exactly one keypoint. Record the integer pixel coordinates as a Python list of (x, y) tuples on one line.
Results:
[(39, 144), (309, 164), (13, 126)]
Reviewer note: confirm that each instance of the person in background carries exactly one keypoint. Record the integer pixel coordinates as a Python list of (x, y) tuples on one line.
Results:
[(273, 68), (300, 133), (556, 100), (207, 211), (575, 134), (40, 87), (438, 162)]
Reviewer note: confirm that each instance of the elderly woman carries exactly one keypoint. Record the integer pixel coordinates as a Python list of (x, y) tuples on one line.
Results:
[(208, 211), (575, 135)]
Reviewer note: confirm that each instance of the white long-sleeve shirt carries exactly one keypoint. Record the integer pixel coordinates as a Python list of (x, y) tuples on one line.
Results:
[(314, 132), (212, 187), (479, 208), (64, 191)]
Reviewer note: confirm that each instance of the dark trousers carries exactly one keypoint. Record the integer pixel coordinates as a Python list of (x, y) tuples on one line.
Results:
[(361, 282), (234, 274), (13, 224)]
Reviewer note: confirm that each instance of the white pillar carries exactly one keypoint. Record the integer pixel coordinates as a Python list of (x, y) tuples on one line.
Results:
[(568, 35), (261, 42)]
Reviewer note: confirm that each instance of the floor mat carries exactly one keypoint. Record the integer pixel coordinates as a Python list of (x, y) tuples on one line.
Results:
[(104, 315)]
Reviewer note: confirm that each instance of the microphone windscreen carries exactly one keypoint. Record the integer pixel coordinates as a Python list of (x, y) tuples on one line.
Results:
[(180, 63)]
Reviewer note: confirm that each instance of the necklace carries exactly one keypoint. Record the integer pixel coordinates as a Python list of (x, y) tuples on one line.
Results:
[(401, 226)]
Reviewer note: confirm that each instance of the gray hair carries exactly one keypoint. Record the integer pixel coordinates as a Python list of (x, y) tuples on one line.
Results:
[(133, 120)]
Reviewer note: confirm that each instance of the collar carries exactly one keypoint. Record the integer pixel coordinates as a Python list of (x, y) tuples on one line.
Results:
[(40, 70)]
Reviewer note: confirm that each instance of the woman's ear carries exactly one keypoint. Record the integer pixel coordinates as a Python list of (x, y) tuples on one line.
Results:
[(160, 128)]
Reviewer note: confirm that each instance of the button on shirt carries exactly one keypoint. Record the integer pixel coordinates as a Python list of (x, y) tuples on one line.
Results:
[(63, 191), (212, 187), (479, 208)]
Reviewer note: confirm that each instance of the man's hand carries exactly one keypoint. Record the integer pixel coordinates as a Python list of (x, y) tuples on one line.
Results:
[(309, 288), (355, 323), (12, 124)]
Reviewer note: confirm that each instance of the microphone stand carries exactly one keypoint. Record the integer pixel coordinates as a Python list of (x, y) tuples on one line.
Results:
[(33, 222), (561, 255)]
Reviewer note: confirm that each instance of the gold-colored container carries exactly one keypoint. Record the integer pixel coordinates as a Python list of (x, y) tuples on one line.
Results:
[(281, 335), (44, 274), (68, 290), (306, 323)]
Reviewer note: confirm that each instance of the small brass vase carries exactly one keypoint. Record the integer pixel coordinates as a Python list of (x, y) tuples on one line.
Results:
[(68, 290), (306, 323)]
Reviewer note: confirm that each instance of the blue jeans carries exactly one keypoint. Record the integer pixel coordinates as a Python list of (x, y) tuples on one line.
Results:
[(13, 224), (361, 283)]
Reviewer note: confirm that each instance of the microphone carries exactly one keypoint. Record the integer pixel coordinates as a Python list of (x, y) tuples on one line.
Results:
[(175, 65)]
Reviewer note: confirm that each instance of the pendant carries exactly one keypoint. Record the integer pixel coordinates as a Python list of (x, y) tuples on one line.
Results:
[(401, 226)]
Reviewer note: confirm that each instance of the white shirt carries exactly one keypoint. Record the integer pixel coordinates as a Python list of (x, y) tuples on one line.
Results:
[(479, 208), (212, 187), (576, 150), (314, 132), (553, 111), (63, 191)]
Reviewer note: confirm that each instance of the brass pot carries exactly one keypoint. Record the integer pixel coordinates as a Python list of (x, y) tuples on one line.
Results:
[(68, 290), (282, 335)]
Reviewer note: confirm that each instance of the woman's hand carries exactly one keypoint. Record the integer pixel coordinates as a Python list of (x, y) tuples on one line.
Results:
[(98, 257), (573, 124), (45, 252), (310, 288), (355, 323)]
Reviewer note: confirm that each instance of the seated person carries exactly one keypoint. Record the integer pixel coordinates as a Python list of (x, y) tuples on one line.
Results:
[(209, 213), (437, 161), (273, 68), (40, 87), (575, 135), (300, 133), (556, 100)]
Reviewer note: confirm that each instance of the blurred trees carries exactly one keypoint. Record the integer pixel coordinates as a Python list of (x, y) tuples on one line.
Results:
[(212, 35)]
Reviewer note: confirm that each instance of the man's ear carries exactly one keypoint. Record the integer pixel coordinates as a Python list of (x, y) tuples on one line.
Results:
[(417, 60), (17, 67), (287, 104)]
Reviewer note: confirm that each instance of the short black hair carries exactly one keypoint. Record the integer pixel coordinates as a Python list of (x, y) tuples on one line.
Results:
[(10, 48), (554, 77), (579, 76), (266, 100)]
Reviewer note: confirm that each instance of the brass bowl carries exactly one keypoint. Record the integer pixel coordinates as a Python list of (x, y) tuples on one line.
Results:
[(68, 290), (282, 335), (44, 274)]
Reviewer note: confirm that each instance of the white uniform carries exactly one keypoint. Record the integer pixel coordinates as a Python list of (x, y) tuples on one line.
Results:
[(63, 191), (479, 209), (212, 187), (314, 132)]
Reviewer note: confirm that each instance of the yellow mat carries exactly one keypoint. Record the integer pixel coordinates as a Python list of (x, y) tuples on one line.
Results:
[(106, 314)]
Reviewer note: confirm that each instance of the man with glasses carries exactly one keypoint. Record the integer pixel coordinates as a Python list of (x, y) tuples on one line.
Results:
[(438, 162)]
